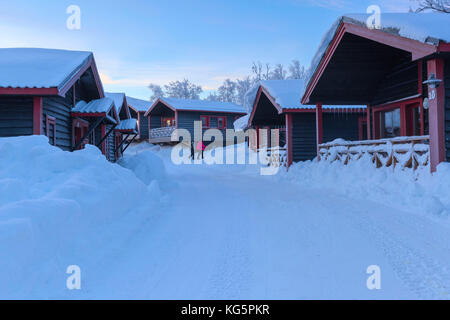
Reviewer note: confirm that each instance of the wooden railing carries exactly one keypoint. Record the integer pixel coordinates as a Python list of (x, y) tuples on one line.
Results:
[(407, 152), (274, 157), (161, 132)]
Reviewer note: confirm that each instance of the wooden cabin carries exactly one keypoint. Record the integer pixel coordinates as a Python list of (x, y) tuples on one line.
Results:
[(401, 71), (126, 131), (138, 108), (277, 106), (168, 114), (39, 89)]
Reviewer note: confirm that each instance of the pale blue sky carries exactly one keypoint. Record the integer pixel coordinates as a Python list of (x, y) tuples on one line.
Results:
[(139, 42)]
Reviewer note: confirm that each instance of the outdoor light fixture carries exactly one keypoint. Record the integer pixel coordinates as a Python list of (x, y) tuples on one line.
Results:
[(426, 103), (432, 81)]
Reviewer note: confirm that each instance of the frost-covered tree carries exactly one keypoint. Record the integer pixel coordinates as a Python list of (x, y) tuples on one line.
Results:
[(296, 70), (157, 91), (261, 72), (227, 91), (278, 73), (433, 5), (242, 86), (183, 90), (212, 96)]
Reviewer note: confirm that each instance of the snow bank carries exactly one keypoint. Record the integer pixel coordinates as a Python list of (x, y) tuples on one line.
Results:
[(418, 191), (143, 160), (57, 209)]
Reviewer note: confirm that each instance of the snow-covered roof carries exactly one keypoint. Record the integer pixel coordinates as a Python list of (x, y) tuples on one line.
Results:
[(127, 124), (204, 105), (39, 68), (139, 105), (103, 105), (241, 123), (424, 27), (118, 99), (288, 93)]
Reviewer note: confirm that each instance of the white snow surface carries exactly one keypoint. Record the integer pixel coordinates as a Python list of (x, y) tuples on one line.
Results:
[(127, 124), (39, 68), (118, 99), (204, 105), (241, 123), (216, 231), (287, 94), (139, 105), (102, 105)]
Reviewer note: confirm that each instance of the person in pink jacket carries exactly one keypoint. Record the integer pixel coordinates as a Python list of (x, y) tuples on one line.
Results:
[(200, 148)]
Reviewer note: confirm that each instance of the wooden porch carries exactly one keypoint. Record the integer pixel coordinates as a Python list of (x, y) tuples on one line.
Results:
[(161, 135)]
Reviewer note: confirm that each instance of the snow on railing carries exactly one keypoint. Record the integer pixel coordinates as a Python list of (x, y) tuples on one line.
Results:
[(407, 152), (274, 157), (161, 132)]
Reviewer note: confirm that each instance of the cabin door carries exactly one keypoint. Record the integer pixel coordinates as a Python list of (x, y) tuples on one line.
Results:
[(79, 131)]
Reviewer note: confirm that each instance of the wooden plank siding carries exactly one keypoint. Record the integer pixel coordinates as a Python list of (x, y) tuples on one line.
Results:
[(400, 82), (110, 145), (59, 108), (16, 116), (155, 122), (303, 136), (143, 126), (340, 125), (186, 120), (447, 108)]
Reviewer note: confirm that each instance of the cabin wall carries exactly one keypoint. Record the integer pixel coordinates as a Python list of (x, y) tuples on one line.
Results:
[(110, 145), (143, 126), (59, 108), (186, 119), (303, 136), (155, 122), (447, 108), (16, 116), (401, 82), (340, 125)]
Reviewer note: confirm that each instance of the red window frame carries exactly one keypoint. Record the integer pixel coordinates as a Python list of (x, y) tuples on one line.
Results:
[(84, 125), (208, 122), (171, 119), (49, 120)]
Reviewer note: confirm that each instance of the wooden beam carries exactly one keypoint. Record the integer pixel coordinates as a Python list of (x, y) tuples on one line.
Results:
[(436, 115), (289, 141), (319, 126), (105, 135), (134, 137), (91, 129), (37, 116)]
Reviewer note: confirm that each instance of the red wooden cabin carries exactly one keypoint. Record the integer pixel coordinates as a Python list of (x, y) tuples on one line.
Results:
[(401, 71)]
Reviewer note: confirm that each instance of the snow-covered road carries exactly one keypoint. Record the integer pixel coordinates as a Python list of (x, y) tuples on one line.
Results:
[(228, 234)]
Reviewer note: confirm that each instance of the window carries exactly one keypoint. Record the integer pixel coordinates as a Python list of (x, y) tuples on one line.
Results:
[(167, 122), (390, 123), (221, 122), (205, 121), (214, 122), (50, 125)]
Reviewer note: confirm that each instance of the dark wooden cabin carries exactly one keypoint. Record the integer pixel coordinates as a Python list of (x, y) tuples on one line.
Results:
[(387, 69), (138, 108), (126, 131), (39, 89), (277, 106), (168, 114)]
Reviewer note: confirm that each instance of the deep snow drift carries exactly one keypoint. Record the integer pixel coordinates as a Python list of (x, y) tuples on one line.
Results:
[(59, 208), (419, 192), (156, 230)]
